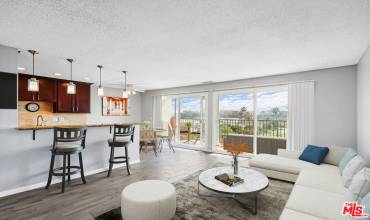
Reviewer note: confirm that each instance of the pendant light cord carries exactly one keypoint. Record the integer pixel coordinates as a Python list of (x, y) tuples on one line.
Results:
[(100, 66), (71, 61), (124, 72), (33, 64), (33, 52)]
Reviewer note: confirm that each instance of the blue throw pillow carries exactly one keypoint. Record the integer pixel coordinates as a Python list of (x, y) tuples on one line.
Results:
[(366, 202), (314, 154), (351, 153)]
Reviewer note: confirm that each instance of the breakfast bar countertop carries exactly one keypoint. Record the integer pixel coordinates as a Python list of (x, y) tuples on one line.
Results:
[(34, 127)]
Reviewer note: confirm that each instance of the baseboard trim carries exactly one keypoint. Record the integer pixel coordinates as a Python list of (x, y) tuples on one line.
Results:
[(54, 181)]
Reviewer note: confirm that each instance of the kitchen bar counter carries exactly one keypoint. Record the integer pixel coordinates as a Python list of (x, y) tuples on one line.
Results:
[(87, 125), (25, 162), (36, 128)]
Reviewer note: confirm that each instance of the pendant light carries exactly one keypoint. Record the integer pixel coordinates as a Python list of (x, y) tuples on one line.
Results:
[(71, 88), (100, 89), (33, 83), (125, 93)]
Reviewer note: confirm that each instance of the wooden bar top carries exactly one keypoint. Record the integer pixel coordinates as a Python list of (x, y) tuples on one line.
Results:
[(69, 126)]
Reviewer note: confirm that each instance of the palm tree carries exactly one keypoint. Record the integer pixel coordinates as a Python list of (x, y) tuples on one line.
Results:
[(243, 112), (275, 112)]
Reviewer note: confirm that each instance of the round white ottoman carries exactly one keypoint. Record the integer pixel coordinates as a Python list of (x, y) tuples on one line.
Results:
[(149, 199)]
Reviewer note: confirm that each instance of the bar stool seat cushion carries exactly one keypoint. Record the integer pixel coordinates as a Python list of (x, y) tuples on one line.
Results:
[(148, 200), (68, 147)]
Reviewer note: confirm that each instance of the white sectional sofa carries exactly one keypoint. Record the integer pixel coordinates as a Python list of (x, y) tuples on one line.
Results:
[(318, 192)]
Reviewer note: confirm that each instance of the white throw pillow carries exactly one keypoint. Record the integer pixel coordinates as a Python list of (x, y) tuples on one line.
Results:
[(335, 155), (353, 166), (360, 184)]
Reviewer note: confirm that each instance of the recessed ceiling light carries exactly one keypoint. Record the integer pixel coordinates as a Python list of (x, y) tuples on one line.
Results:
[(87, 78), (20, 68), (57, 74)]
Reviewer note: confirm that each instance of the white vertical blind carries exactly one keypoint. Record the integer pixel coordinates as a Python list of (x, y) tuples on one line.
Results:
[(300, 115), (157, 111)]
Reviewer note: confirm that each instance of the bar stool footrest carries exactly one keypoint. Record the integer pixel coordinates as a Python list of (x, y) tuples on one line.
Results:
[(77, 170)]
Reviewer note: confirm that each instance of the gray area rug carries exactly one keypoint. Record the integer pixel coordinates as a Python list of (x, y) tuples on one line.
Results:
[(271, 203)]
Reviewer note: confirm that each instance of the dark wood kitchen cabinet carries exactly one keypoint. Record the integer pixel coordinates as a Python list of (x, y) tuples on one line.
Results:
[(82, 98), (55, 91), (46, 93), (64, 101), (77, 103)]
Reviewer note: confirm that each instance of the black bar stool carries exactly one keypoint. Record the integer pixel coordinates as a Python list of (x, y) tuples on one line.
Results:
[(67, 141), (122, 136)]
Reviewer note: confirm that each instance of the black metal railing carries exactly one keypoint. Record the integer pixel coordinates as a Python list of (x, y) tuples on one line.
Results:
[(194, 125), (276, 129), (265, 128)]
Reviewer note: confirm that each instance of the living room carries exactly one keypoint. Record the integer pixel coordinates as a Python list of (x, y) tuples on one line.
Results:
[(242, 110)]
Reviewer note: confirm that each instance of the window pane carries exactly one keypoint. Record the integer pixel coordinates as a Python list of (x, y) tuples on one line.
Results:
[(272, 115), (236, 116), (192, 121)]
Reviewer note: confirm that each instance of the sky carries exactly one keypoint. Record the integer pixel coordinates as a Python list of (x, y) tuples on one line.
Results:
[(190, 104), (265, 101)]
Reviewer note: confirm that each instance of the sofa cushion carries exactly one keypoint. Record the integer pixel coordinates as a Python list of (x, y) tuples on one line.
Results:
[(335, 155), (351, 153), (315, 202), (353, 166), (289, 214), (287, 165), (289, 153), (366, 202), (281, 164), (360, 184), (321, 179), (314, 154)]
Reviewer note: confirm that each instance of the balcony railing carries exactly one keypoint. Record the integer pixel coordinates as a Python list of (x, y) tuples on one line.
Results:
[(195, 124), (271, 134), (190, 130), (265, 128)]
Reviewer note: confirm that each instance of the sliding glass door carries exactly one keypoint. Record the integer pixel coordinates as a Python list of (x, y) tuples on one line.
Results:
[(188, 114), (258, 116), (234, 117), (272, 116)]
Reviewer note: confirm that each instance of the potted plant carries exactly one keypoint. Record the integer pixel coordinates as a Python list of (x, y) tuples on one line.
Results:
[(188, 125)]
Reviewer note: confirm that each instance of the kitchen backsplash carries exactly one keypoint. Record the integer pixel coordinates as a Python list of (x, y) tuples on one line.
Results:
[(26, 118)]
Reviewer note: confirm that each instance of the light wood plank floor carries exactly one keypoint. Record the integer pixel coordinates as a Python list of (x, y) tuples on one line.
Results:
[(101, 194)]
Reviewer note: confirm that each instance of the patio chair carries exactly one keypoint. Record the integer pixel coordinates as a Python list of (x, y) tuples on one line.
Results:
[(166, 136)]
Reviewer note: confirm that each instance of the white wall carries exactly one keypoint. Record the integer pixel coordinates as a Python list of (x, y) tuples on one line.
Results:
[(335, 101), (363, 105), (24, 163)]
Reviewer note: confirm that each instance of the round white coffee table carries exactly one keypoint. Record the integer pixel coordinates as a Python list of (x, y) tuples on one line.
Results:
[(254, 182)]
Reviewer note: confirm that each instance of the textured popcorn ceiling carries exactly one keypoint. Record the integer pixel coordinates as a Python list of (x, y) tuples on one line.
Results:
[(173, 43)]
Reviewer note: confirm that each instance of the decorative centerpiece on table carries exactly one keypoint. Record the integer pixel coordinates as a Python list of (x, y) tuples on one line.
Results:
[(235, 147)]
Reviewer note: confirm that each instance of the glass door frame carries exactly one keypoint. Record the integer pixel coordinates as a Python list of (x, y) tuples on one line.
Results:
[(204, 146), (215, 115), (216, 119)]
